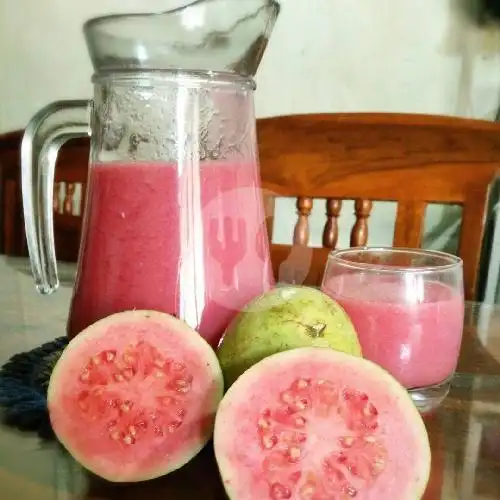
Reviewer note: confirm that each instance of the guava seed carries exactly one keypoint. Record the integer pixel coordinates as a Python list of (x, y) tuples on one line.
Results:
[(126, 406), (347, 442), (263, 424), (370, 411), (141, 424), (129, 359), (303, 383), (109, 356), (378, 467), (347, 395), (269, 442), (159, 362), (307, 491), (294, 454), (128, 439), (349, 490), (173, 426), (302, 403), (287, 397), (350, 395), (300, 422), (280, 492), (182, 385)]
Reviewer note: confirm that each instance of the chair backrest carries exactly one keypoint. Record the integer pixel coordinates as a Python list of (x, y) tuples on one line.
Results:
[(413, 160), (70, 181), (10, 213), (69, 193)]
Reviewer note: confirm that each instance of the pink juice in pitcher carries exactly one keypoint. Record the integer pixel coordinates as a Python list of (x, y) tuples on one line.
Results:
[(190, 241), (412, 329)]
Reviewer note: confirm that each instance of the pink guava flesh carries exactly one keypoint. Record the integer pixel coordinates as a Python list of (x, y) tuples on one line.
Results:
[(134, 396), (316, 424)]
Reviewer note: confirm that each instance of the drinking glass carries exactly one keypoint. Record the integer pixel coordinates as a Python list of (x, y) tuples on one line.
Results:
[(407, 306)]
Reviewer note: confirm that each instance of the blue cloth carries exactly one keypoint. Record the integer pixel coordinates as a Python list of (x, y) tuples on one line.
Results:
[(24, 380)]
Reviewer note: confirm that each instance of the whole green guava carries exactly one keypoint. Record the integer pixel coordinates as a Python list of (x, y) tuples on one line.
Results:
[(284, 318)]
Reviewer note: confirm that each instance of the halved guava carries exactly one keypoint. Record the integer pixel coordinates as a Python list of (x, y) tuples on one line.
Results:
[(316, 424), (134, 396)]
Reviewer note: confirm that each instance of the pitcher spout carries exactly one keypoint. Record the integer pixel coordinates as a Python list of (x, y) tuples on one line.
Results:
[(201, 35)]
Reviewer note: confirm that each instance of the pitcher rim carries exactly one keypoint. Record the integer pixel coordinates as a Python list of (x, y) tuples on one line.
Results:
[(97, 20)]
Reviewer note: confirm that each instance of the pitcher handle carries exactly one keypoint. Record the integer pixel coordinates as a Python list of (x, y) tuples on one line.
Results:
[(44, 135)]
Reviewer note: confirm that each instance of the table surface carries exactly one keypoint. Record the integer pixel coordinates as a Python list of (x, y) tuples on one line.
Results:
[(464, 432)]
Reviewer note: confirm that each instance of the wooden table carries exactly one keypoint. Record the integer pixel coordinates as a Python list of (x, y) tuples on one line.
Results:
[(464, 432)]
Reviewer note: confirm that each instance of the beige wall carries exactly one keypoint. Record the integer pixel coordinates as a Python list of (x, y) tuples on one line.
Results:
[(399, 55), (325, 55)]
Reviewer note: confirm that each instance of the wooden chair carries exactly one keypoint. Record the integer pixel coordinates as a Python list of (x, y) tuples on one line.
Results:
[(411, 159), (69, 191), (11, 228)]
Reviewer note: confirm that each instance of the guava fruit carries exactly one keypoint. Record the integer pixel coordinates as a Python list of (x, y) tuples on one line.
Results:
[(134, 395), (316, 424), (284, 318)]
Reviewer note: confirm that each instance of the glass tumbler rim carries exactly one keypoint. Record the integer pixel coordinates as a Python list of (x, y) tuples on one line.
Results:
[(449, 262)]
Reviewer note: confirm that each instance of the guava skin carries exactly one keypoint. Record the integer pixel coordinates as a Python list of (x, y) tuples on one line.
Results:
[(284, 318)]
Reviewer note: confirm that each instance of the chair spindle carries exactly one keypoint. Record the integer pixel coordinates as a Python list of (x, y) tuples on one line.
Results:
[(301, 232), (359, 234), (331, 231)]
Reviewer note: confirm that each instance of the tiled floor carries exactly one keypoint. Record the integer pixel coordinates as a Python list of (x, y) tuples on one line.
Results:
[(27, 318)]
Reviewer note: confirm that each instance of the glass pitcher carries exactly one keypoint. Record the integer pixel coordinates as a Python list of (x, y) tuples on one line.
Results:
[(173, 218)]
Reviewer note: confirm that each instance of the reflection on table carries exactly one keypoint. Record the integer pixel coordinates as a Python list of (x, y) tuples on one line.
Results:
[(464, 432)]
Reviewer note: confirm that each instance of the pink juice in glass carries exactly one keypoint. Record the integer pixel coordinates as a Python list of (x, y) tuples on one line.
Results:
[(189, 241), (411, 328)]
